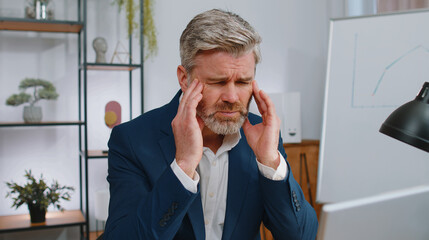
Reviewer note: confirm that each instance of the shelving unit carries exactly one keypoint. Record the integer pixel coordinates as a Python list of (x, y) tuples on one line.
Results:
[(81, 217), (41, 124), (111, 67), (21, 222), (15, 223), (19, 24), (85, 66), (96, 154)]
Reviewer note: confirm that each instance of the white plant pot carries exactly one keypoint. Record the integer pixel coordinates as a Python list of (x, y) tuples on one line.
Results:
[(32, 114)]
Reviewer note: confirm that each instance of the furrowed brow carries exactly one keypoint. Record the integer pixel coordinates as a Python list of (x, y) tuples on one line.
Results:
[(224, 79), (217, 79)]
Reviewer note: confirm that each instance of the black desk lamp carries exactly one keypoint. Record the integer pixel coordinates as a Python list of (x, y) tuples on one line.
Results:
[(410, 122)]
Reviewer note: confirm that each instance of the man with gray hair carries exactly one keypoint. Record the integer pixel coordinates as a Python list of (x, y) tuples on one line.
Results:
[(202, 166)]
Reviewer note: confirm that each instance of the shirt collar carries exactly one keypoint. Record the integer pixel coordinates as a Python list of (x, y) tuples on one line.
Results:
[(229, 142)]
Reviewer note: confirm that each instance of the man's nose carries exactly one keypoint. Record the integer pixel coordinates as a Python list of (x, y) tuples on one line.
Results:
[(229, 93)]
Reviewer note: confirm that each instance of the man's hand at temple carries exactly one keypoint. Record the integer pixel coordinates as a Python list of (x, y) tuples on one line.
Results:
[(263, 138), (187, 128)]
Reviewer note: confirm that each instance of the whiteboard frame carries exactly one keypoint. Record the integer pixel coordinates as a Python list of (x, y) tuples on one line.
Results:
[(326, 90), (385, 216)]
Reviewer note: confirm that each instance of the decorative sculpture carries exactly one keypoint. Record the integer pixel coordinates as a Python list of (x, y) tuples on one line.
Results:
[(112, 116), (100, 46)]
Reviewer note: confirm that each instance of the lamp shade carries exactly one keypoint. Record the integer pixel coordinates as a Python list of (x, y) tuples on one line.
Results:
[(410, 122)]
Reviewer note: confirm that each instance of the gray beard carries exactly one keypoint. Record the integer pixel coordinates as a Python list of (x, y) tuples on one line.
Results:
[(223, 126)]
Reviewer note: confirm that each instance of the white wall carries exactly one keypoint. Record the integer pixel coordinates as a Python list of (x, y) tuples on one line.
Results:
[(294, 49), (294, 46)]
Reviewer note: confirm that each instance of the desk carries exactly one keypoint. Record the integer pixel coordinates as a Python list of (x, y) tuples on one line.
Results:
[(305, 173)]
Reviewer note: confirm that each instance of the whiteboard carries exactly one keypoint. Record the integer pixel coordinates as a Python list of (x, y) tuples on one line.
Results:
[(375, 64)]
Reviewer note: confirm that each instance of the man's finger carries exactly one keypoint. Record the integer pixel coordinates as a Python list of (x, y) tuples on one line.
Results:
[(259, 101), (191, 105), (194, 98), (200, 123), (246, 126), (193, 90), (270, 108), (186, 95)]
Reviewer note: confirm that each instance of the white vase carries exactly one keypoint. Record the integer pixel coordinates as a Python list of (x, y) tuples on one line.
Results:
[(32, 114), (40, 9)]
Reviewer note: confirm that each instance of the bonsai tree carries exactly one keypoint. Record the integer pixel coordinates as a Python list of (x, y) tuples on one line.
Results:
[(41, 90), (38, 195)]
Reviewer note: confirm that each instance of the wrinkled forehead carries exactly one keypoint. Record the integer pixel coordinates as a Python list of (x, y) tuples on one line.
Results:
[(222, 59)]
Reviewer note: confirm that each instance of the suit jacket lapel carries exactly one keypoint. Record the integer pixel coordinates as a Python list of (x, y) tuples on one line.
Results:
[(168, 146), (239, 164), (195, 212), (166, 142)]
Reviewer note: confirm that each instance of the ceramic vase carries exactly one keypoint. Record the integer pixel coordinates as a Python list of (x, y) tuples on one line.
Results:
[(32, 114)]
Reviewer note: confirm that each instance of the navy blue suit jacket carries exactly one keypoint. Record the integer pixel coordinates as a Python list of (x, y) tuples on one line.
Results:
[(147, 201)]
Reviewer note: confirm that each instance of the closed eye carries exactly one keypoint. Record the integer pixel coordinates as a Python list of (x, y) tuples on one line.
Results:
[(244, 82)]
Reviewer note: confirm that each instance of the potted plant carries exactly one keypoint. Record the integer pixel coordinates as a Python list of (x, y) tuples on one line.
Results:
[(38, 195), (41, 90), (149, 30)]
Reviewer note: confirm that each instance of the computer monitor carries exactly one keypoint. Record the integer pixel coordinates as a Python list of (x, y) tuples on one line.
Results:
[(402, 214)]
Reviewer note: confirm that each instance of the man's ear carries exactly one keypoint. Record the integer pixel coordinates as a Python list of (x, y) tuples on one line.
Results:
[(182, 77)]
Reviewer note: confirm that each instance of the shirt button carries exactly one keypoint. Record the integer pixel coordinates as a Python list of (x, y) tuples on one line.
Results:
[(213, 163), (211, 194), (206, 222)]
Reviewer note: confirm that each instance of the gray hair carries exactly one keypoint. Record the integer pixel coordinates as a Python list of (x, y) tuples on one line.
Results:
[(218, 30)]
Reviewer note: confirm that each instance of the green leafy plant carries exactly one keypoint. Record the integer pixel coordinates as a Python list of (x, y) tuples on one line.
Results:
[(41, 90), (38, 193), (149, 30)]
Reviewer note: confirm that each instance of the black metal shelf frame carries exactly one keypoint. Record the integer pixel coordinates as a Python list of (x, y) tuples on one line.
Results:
[(84, 67), (54, 26), (111, 66), (25, 225), (41, 21), (79, 27), (41, 124)]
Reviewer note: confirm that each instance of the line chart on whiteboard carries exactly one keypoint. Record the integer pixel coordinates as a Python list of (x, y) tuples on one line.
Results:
[(376, 77)]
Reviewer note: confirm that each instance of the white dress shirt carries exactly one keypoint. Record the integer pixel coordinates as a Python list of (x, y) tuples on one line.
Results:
[(212, 174)]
